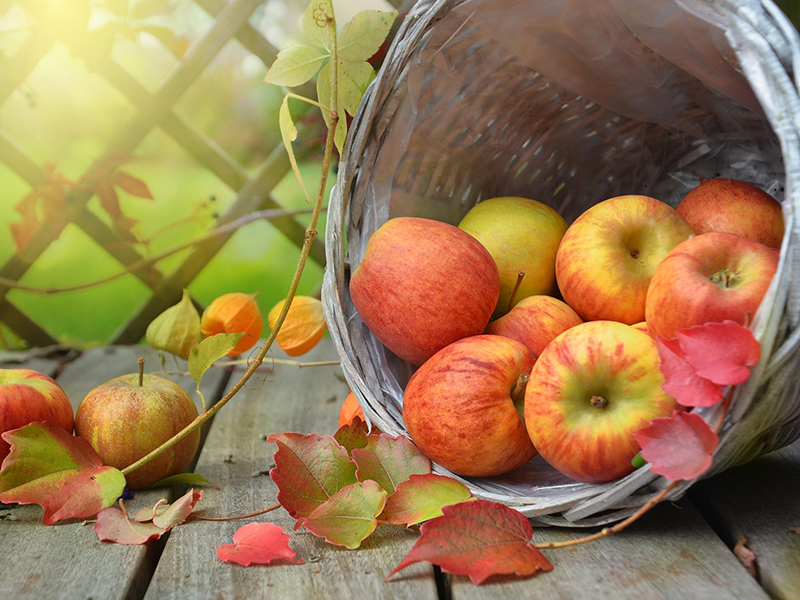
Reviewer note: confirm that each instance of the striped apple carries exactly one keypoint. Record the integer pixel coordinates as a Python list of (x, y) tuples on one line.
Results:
[(27, 396)]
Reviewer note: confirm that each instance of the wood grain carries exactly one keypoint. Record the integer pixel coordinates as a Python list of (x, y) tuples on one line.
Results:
[(236, 457), (761, 501), (672, 553), (67, 560)]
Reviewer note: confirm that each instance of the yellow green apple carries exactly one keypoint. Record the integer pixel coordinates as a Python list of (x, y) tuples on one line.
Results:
[(590, 391), (609, 254), (521, 235)]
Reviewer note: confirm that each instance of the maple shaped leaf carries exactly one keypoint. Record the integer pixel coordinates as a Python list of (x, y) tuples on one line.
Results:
[(720, 352), (681, 380), (421, 498), (49, 195), (349, 516), (480, 539), (389, 460), (352, 435), (258, 544), (309, 469), (113, 525), (678, 447), (61, 473)]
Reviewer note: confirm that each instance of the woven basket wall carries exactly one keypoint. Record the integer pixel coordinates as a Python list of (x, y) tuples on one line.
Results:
[(483, 98)]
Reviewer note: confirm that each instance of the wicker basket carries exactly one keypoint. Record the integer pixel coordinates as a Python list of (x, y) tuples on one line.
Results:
[(571, 103)]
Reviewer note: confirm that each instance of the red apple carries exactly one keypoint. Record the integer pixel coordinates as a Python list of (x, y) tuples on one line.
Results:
[(610, 252), (641, 326), (535, 321), (590, 391), (423, 285), (732, 206), (27, 396), (462, 407), (709, 278), (127, 417)]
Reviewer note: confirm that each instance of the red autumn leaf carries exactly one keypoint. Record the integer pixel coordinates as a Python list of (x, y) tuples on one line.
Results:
[(50, 195), (352, 435), (678, 447), (421, 498), (132, 185), (258, 544), (348, 516), (681, 381), (389, 460), (61, 473), (479, 539), (113, 525), (720, 352), (309, 469)]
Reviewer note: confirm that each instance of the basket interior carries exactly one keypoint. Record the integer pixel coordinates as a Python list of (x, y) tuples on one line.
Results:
[(569, 103)]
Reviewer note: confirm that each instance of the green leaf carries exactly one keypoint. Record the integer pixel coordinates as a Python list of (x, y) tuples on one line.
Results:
[(315, 26), (364, 34), (289, 134), (183, 479), (352, 435), (354, 79), (324, 97), (389, 460), (206, 352), (295, 65), (421, 498), (177, 329)]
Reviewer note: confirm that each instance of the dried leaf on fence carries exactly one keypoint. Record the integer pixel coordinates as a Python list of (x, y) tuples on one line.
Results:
[(131, 185)]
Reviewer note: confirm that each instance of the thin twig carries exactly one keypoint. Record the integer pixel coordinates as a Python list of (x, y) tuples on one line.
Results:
[(235, 517)]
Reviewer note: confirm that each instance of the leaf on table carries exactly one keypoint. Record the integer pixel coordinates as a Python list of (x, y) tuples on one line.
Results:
[(678, 447), (479, 539), (389, 460), (303, 326), (176, 513), (211, 349), (349, 516), (720, 352), (184, 479), (258, 544), (681, 380), (352, 435), (309, 469), (148, 513), (295, 65), (324, 97), (113, 525), (131, 185), (421, 498), (288, 135), (61, 473), (746, 556), (364, 34), (177, 329)]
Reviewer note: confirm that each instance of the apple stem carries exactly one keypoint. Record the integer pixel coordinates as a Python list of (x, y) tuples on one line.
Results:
[(518, 392), (520, 275), (598, 401), (141, 371)]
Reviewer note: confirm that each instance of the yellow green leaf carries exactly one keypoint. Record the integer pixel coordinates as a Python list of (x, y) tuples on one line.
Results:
[(364, 34), (206, 352), (177, 329), (289, 134), (315, 25), (324, 97), (354, 79), (295, 65)]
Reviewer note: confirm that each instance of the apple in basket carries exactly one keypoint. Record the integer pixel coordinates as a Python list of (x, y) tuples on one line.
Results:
[(535, 321), (127, 417), (463, 407), (610, 252), (709, 278), (423, 285), (27, 396), (589, 392), (521, 235), (732, 206)]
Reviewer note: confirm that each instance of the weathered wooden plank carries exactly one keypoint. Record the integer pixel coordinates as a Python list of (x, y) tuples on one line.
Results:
[(66, 560), (234, 455), (761, 501), (672, 553)]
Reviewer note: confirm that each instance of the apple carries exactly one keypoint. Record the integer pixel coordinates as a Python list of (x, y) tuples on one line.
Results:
[(732, 206), (521, 235), (610, 252), (535, 321), (641, 326), (127, 417), (590, 391), (27, 396), (462, 408), (423, 285), (709, 278)]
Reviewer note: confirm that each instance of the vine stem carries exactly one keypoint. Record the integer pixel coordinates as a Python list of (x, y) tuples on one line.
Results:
[(235, 517), (310, 236)]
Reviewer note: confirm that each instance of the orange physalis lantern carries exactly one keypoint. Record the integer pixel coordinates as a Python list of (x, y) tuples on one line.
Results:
[(350, 410), (234, 313), (304, 325)]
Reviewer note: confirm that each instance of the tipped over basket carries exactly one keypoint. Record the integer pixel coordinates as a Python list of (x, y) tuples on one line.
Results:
[(570, 104)]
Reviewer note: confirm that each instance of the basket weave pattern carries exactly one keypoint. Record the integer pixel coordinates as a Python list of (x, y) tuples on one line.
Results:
[(454, 117)]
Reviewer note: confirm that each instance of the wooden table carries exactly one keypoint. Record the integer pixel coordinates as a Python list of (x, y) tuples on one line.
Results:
[(680, 551)]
